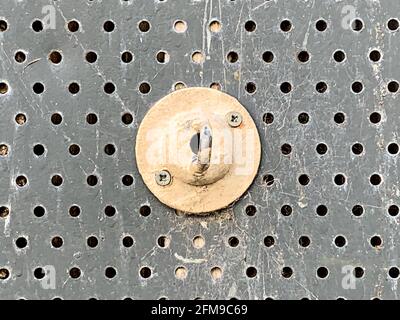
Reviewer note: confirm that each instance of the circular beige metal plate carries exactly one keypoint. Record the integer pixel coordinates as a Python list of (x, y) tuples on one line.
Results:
[(191, 135)]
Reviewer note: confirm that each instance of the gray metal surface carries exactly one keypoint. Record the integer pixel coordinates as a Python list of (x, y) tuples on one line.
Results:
[(138, 213)]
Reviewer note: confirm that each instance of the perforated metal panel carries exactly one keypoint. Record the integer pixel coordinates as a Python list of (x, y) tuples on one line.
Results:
[(319, 222)]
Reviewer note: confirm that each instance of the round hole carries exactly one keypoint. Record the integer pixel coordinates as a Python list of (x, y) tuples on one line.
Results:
[(268, 56), (304, 179), (92, 242), (127, 118), (303, 118), (357, 148), (39, 211), (109, 26), (375, 179), (73, 26), (393, 86), (20, 119), (269, 241), (393, 148), (286, 26), (21, 242), (109, 88), (57, 242), (358, 272), (91, 57), (74, 149), (215, 26), (357, 87), (375, 117), (110, 211), (39, 150), (4, 212), (179, 86), (199, 242), (340, 179), (216, 86), (286, 149), (92, 180), (56, 119), (180, 26), (304, 241), (357, 25), (126, 57), (286, 210), (250, 26), (357, 210), (3, 88), (145, 211), (56, 180), (376, 241), (144, 88), (75, 273), (216, 273), (322, 272), (287, 272), (286, 87), (233, 242), (162, 57), (268, 118), (91, 118), (251, 210), (4, 274), (339, 118), (340, 241), (321, 87), (393, 24), (39, 273), (38, 88), (251, 87), (251, 272), (339, 56), (21, 181), (321, 25), (394, 272), (163, 242), (110, 272), (3, 25), (144, 26), (127, 180), (73, 88), (74, 211), (3, 150), (322, 210), (181, 273), (37, 25), (109, 149), (375, 56), (145, 272), (269, 180), (127, 241), (20, 57), (393, 210), (303, 56), (55, 57), (321, 148), (232, 57)]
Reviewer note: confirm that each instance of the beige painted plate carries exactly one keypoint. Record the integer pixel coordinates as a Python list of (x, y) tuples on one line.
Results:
[(198, 150)]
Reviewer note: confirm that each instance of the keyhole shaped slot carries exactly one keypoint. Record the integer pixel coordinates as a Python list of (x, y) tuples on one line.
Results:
[(195, 143)]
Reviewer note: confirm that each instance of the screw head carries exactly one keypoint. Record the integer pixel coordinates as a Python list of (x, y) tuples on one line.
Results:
[(234, 119), (163, 178)]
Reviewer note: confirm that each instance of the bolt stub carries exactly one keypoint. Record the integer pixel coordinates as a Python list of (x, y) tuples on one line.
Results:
[(163, 178), (234, 119)]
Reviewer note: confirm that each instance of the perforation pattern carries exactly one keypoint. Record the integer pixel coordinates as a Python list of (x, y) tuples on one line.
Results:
[(324, 98)]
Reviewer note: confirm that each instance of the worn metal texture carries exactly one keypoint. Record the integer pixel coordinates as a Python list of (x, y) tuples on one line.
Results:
[(251, 251)]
